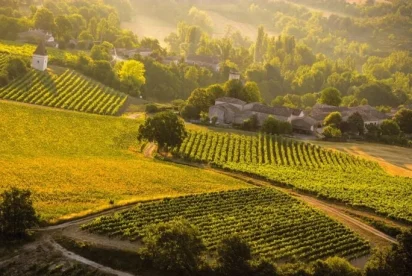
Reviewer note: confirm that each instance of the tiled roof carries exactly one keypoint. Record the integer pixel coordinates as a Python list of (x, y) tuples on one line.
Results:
[(41, 49)]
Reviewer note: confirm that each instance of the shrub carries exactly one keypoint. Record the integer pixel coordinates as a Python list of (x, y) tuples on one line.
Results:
[(151, 108), (233, 256), (332, 132)]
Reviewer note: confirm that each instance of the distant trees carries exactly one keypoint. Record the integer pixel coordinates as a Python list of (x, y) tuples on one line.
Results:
[(356, 124), (164, 128), (44, 19), (249, 92), (390, 128), (16, 213), (131, 75), (330, 96)]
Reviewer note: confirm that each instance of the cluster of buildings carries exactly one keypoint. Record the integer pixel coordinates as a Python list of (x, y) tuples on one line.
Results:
[(229, 111)]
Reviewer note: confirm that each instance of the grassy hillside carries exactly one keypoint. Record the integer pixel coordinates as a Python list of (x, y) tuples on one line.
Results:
[(77, 162), (326, 173), (68, 91), (277, 226)]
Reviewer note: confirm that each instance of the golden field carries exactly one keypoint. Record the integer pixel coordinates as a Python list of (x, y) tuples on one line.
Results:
[(77, 163)]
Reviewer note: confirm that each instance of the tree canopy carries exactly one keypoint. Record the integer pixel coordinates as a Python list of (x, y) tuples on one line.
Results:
[(165, 128)]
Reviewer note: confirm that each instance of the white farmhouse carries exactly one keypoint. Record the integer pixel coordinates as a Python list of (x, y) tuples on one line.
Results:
[(40, 57)]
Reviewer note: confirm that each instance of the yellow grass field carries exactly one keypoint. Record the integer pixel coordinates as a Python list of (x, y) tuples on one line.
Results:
[(76, 163)]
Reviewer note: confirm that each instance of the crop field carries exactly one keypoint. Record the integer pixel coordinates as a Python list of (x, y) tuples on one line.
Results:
[(76, 163), (26, 50), (277, 226), (326, 173), (68, 91), (3, 59)]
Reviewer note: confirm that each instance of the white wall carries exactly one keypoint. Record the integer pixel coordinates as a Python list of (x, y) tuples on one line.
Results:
[(39, 62)]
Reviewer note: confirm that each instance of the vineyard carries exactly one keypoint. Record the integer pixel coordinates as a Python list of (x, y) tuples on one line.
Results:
[(67, 91), (3, 59), (276, 226), (326, 173)]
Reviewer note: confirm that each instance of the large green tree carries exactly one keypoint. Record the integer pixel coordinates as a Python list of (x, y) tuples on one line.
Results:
[(44, 19), (330, 96), (234, 255), (164, 128), (174, 246), (16, 213), (404, 119), (131, 75), (390, 128)]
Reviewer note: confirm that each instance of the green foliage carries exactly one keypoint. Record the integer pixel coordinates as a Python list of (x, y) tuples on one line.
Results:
[(250, 124), (377, 94), (335, 266), (330, 96), (44, 19), (131, 75), (356, 123), (404, 119), (233, 256), (164, 128), (151, 108), (390, 128), (100, 52), (190, 112), (16, 213), (173, 246), (16, 67), (251, 92), (333, 119), (273, 126), (397, 261), (331, 131), (201, 99)]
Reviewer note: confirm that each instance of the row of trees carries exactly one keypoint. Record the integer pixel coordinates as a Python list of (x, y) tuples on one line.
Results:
[(176, 247)]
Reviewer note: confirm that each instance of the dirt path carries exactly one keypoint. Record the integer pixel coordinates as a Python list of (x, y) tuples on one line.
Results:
[(377, 237), (80, 259)]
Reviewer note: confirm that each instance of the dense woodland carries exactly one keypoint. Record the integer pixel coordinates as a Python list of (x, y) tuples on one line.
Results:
[(362, 50)]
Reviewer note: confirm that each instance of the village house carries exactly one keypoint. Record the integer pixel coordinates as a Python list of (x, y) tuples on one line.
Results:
[(129, 53), (204, 61), (370, 115), (36, 35), (172, 60), (234, 111)]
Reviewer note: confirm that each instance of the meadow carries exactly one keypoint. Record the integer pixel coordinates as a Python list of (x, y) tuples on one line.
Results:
[(69, 90), (325, 173), (76, 163), (277, 226)]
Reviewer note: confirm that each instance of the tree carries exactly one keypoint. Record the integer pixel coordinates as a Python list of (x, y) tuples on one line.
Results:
[(390, 127), (190, 112), (16, 67), (16, 213), (201, 99), (377, 94), (63, 28), (251, 92), (396, 261), (356, 123), (308, 100), (330, 96), (215, 91), (233, 256), (335, 266), (100, 52), (404, 119), (332, 132), (131, 75), (234, 89), (273, 126), (44, 19), (333, 119), (174, 246), (164, 128)]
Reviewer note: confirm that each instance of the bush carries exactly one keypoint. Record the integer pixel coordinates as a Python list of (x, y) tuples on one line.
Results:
[(332, 132), (335, 266), (174, 246), (250, 124), (151, 108), (4, 78), (273, 126), (190, 112), (333, 119)]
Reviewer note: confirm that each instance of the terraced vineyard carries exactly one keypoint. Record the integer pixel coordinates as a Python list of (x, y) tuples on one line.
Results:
[(325, 173), (67, 91), (3, 59), (275, 225)]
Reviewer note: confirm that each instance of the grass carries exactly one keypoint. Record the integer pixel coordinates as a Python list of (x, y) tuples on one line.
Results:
[(76, 163)]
